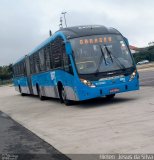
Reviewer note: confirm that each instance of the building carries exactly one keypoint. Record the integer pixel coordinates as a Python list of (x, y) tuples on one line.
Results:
[(134, 49)]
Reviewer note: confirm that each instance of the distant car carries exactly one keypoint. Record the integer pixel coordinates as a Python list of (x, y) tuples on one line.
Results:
[(143, 62)]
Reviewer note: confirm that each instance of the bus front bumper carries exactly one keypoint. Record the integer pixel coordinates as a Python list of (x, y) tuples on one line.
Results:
[(85, 93)]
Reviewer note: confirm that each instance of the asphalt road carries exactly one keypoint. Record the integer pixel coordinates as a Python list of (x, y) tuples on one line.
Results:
[(123, 125), (19, 142)]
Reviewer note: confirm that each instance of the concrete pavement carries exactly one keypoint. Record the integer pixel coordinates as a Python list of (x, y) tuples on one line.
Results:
[(123, 125), (147, 77)]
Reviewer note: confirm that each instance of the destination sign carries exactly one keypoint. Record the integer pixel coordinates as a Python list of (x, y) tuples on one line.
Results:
[(95, 40)]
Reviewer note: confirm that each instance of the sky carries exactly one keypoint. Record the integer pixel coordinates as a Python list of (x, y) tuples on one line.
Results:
[(26, 23)]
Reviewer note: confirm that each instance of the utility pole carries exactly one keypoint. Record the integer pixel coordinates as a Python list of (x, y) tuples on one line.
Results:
[(64, 14)]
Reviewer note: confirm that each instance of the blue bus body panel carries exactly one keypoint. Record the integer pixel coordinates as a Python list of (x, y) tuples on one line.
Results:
[(22, 83), (51, 78), (78, 91), (48, 82), (74, 88)]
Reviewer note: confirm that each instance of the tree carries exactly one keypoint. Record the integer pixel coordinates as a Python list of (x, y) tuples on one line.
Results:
[(146, 53), (6, 72)]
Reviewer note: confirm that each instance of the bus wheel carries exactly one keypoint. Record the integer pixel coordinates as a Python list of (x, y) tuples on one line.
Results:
[(110, 96), (63, 96), (39, 93)]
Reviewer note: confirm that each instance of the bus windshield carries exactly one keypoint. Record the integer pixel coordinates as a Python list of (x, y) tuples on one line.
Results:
[(101, 53)]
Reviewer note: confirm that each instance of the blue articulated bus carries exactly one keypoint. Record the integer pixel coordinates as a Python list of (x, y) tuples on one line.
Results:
[(78, 63)]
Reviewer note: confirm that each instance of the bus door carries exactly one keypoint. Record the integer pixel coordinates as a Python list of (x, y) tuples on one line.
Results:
[(28, 75)]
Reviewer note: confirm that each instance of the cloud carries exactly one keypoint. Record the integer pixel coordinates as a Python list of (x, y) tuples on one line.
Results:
[(25, 24)]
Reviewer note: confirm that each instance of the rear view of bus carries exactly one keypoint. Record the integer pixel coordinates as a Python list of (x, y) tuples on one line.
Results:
[(103, 63)]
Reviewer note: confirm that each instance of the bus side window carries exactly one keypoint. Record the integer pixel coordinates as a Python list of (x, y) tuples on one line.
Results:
[(20, 68), (66, 60), (30, 61), (15, 70), (37, 62), (47, 55), (41, 60), (56, 53), (67, 63), (23, 68), (32, 64), (25, 71)]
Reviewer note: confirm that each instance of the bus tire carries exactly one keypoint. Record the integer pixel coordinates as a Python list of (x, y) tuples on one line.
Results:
[(63, 97), (39, 92), (111, 96)]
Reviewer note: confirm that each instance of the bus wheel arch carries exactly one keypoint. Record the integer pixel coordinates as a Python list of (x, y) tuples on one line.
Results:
[(39, 92), (60, 87), (20, 90), (62, 94)]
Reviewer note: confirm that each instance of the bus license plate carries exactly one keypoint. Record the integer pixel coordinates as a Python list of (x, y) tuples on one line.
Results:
[(114, 90)]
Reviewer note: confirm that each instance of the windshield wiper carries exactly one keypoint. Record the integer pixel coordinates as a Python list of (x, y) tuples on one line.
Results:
[(111, 55), (102, 57), (108, 53)]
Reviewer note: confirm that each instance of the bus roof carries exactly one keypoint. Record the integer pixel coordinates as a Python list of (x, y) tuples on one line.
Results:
[(81, 31)]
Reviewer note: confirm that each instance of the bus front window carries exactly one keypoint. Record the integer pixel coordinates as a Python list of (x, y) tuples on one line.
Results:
[(101, 53)]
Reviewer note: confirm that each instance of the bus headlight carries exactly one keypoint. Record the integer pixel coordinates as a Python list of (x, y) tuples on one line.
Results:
[(133, 75), (87, 83)]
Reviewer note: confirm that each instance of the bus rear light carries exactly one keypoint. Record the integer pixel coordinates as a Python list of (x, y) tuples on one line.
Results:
[(87, 83)]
